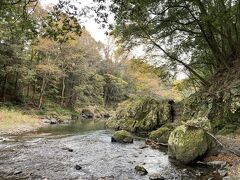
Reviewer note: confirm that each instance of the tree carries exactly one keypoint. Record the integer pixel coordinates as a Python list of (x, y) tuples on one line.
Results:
[(181, 29)]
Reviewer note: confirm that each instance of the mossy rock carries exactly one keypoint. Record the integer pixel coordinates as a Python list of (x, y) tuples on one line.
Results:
[(140, 114), (187, 145), (122, 137), (161, 135), (141, 170)]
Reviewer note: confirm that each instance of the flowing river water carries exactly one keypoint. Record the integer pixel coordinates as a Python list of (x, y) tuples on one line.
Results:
[(54, 152)]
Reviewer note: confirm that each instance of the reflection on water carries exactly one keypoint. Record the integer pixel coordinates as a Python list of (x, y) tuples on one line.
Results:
[(75, 127)]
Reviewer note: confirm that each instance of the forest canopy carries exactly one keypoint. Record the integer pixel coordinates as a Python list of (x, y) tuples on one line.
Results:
[(201, 35), (48, 56)]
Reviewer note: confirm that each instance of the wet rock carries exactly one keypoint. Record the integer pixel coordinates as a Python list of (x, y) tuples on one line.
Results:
[(156, 176), (17, 172), (77, 167), (50, 121), (187, 144), (67, 149), (122, 136), (87, 114), (47, 121), (217, 164), (107, 116), (141, 170), (53, 121)]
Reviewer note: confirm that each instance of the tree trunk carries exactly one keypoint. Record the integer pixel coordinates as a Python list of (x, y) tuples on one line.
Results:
[(28, 90), (34, 91), (16, 84), (4, 88), (42, 93), (63, 91)]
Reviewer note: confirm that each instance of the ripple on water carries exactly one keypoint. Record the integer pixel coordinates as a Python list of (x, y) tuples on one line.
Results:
[(48, 156)]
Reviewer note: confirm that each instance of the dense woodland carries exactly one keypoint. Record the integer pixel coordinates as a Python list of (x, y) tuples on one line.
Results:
[(47, 55)]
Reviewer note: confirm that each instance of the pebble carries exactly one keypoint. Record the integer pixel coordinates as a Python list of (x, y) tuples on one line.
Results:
[(68, 149), (77, 167)]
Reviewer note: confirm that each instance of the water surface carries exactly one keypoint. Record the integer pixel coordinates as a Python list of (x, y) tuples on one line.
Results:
[(46, 154)]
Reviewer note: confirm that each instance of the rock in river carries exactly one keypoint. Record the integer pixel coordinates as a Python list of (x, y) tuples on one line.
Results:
[(77, 167), (122, 136), (187, 144), (141, 170)]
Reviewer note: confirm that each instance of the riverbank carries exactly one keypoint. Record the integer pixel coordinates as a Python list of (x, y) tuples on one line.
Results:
[(13, 122)]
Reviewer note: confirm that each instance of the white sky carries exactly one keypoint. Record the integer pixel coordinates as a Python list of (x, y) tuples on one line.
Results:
[(94, 28)]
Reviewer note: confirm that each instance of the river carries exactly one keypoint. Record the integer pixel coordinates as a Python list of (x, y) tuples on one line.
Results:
[(54, 152)]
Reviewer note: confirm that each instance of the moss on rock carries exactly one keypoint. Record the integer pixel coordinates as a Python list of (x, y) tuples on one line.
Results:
[(161, 135), (187, 145), (141, 114), (122, 136)]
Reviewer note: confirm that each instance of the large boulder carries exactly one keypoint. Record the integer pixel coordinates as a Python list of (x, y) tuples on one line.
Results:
[(141, 114), (122, 137), (188, 144)]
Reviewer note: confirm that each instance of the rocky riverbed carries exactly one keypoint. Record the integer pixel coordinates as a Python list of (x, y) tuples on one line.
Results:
[(85, 151)]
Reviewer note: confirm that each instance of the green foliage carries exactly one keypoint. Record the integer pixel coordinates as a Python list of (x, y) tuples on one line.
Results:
[(114, 90), (202, 36)]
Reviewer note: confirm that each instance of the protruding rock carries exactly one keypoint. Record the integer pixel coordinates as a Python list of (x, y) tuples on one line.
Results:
[(141, 170), (187, 144), (88, 114), (161, 135), (122, 136)]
